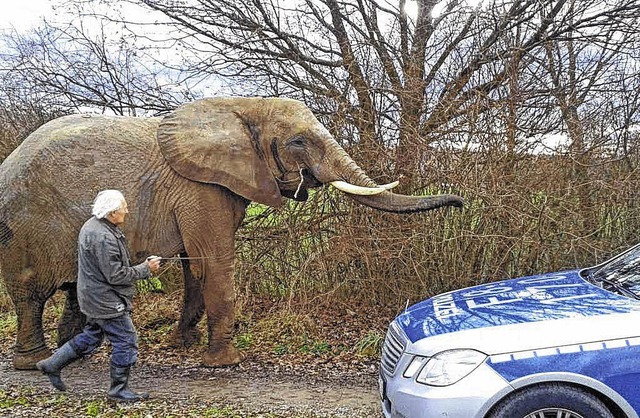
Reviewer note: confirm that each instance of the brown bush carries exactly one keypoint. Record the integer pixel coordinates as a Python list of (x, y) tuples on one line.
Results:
[(523, 215)]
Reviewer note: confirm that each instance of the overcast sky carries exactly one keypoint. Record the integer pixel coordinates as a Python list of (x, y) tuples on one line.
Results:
[(23, 14)]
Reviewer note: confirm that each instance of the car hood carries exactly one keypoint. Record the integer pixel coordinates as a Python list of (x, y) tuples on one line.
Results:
[(517, 304)]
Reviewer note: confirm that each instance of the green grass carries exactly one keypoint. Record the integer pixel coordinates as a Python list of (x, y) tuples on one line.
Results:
[(11, 400), (224, 412), (370, 345), (315, 347), (243, 341), (150, 285), (94, 408)]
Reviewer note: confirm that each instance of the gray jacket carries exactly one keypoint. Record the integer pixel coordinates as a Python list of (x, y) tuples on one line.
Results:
[(106, 279)]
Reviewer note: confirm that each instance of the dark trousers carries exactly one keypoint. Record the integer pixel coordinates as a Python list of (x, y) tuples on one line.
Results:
[(119, 331)]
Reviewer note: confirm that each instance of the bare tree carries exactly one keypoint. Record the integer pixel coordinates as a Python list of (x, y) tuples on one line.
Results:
[(21, 112), (77, 69), (401, 80)]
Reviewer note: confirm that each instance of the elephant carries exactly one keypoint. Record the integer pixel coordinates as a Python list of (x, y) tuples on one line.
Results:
[(188, 178)]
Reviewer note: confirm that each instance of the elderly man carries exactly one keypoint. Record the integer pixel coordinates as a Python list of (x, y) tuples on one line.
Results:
[(106, 281)]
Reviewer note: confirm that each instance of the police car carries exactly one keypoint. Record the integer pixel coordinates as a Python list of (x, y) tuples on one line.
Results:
[(561, 345)]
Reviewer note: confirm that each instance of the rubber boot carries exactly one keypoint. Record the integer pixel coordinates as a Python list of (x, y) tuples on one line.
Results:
[(52, 366), (120, 386)]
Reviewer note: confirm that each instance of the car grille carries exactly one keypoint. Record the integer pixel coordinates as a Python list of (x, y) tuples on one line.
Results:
[(394, 345)]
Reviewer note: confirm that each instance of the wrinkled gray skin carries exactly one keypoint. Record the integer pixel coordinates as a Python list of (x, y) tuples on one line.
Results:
[(187, 178)]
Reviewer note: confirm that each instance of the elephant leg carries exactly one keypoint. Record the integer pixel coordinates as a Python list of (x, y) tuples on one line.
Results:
[(219, 296), (186, 334), (29, 296), (213, 239), (30, 343), (73, 320)]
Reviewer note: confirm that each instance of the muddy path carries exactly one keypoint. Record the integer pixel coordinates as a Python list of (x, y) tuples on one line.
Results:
[(267, 389)]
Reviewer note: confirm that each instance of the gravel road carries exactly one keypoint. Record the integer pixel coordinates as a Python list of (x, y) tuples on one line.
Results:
[(252, 389)]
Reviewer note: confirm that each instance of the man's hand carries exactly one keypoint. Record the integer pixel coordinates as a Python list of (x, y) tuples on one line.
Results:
[(153, 261)]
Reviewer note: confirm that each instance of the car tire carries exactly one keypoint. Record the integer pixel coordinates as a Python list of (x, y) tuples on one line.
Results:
[(548, 400)]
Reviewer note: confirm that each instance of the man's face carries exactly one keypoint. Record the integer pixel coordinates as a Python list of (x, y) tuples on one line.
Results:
[(117, 216)]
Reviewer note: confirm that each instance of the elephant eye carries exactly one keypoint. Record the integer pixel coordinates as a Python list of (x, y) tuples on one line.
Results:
[(296, 141)]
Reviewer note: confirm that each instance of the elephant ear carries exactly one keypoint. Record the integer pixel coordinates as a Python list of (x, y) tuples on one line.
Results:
[(207, 142)]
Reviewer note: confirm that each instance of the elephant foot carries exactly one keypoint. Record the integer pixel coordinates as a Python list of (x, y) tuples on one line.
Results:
[(224, 357), (28, 360), (185, 338)]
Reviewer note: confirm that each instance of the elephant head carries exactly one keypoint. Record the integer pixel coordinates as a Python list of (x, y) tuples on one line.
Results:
[(264, 149)]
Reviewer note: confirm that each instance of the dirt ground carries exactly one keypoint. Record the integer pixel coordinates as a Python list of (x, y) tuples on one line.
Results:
[(339, 380), (252, 389)]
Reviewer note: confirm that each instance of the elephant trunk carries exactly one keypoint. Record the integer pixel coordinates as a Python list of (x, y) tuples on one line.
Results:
[(344, 169), (397, 203)]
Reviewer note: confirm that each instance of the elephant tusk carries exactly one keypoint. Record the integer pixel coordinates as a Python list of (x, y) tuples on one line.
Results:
[(358, 190), (389, 186)]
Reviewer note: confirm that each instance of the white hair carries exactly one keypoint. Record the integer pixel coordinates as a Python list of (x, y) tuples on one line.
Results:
[(106, 202)]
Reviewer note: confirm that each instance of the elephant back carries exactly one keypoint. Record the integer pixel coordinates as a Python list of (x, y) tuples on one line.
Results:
[(47, 184), (71, 157)]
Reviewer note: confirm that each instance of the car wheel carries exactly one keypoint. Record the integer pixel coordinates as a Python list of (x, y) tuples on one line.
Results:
[(551, 401)]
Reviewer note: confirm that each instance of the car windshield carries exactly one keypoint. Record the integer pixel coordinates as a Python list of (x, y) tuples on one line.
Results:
[(621, 274)]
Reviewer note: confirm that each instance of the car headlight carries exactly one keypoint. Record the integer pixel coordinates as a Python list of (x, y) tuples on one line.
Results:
[(444, 368)]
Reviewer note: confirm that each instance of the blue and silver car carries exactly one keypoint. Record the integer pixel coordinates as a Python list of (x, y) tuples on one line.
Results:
[(561, 345)]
